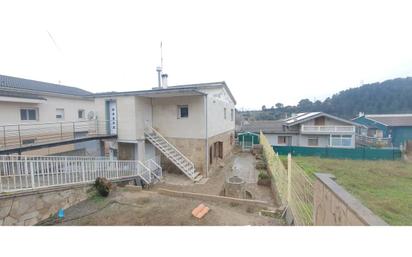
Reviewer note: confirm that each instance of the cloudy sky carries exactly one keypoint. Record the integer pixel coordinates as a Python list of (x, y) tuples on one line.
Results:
[(266, 51)]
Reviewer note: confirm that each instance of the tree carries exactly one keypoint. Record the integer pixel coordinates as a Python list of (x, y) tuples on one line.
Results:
[(263, 107), (279, 105)]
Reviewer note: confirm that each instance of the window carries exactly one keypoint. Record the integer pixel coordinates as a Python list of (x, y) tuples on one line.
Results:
[(183, 111), (284, 140), (338, 141), (313, 141), (81, 114), (59, 114), (231, 115), (224, 112), (28, 114)]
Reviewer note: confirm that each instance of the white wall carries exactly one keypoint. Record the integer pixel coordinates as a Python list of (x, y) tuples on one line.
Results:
[(218, 99), (273, 139), (166, 121), (10, 111)]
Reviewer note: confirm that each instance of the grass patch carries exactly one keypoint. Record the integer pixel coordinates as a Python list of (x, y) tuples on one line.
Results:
[(385, 187)]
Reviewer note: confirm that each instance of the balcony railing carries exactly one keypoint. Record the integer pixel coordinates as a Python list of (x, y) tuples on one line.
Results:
[(327, 129), (26, 134)]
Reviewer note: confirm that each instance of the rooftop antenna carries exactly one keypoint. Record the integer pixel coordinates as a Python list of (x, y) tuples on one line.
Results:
[(160, 68)]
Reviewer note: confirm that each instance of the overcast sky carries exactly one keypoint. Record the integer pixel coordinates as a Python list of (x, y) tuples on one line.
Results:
[(266, 51)]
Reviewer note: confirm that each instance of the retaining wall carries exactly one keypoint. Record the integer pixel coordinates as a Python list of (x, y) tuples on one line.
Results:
[(333, 205), (30, 207)]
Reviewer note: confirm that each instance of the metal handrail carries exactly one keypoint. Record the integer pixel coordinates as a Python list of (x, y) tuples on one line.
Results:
[(331, 128), (28, 174), (184, 157)]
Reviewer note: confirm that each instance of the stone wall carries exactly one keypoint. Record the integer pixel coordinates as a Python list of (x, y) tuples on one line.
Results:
[(194, 149), (28, 208), (333, 205)]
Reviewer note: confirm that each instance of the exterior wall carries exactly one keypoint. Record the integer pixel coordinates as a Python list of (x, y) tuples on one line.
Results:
[(228, 145), (166, 121), (328, 122), (273, 139), (370, 123), (323, 140), (218, 99), (400, 135), (10, 111), (31, 207), (333, 206), (192, 148)]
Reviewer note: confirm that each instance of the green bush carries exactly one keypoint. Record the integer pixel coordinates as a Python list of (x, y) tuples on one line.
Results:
[(263, 175)]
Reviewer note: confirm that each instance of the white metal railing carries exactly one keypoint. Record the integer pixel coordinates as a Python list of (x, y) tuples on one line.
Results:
[(18, 135), (373, 141), (149, 130), (153, 165), (327, 129), (19, 173)]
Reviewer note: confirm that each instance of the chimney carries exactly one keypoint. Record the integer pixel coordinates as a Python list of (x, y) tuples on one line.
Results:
[(361, 114), (159, 72), (164, 80)]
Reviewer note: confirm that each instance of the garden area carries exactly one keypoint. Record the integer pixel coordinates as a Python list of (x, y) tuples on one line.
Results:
[(385, 187)]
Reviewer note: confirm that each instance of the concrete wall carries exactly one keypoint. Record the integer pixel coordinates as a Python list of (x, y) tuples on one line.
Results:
[(333, 205), (10, 111), (166, 121), (29, 208), (273, 139), (218, 99)]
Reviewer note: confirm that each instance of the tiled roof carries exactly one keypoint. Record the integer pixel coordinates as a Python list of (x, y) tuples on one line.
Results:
[(9, 93), (8, 82), (392, 120), (267, 126)]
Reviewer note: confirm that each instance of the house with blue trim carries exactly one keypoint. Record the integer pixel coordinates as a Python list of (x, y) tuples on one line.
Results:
[(396, 128)]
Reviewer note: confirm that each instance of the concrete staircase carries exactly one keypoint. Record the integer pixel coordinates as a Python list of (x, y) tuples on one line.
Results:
[(171, 152)]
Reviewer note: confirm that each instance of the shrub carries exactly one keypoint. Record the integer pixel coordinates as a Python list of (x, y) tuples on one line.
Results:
[(103, 186), (263, 175)]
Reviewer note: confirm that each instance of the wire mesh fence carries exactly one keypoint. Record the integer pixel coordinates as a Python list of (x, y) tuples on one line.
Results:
[(293, 186)]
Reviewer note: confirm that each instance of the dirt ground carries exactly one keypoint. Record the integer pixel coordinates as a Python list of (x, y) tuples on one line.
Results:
[(244, 164), (125, 207), (128, 207)]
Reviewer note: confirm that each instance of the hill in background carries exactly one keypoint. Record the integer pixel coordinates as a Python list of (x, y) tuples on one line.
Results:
[(390, 96)]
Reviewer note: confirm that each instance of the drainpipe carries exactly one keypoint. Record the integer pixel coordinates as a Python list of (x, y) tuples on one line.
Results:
[(207, 138)]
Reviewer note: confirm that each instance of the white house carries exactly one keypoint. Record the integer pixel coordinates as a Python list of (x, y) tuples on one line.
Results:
[(312, 129), (191, 125)]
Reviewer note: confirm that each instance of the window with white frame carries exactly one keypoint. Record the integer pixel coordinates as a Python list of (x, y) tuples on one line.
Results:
[(341, 140), (81, 114), (231, 115), (60, 114), (29, 114), (224, 113), (182, 111)]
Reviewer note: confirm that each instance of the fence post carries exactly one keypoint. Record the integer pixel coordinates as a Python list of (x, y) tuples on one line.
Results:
[(18, 128), (31, 173), (117, 169), (83, 172), (289, 177)]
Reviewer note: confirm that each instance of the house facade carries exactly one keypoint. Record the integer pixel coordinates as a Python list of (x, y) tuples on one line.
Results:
[(190, 126), (312, 129), (396, 129)]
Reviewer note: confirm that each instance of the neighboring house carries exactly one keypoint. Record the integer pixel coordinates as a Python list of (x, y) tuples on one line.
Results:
[(192, 125), (24, 104), (311, 129), (396, 128)]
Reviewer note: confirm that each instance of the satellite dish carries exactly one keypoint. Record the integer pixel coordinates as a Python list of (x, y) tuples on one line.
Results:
[(91, 115)]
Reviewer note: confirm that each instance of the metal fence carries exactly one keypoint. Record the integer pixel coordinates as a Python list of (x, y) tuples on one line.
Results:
[(359, 153), (18, 173), (24, 134)]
